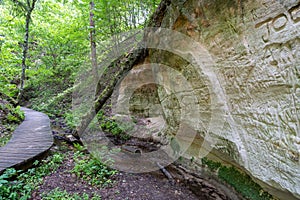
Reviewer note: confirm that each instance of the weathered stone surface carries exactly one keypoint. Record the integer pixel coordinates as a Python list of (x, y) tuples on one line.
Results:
[(256, 52)]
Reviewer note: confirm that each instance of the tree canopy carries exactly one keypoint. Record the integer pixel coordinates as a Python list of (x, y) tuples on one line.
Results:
[(58, 41)]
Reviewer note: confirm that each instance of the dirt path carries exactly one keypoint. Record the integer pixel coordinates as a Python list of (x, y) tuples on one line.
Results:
[(148, 186)]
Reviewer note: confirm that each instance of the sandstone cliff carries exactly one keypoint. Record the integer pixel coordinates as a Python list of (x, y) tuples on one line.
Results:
[(234, 78)]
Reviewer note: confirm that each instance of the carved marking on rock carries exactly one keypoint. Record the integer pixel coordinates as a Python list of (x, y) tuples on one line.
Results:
[(259, 24), (280, 54), (279, 22), (295, 13)]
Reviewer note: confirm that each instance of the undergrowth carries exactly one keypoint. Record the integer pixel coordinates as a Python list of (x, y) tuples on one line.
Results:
[(91, 169), (5, 137), (16, 185), (110, 125), (59, 194), (10, 118)]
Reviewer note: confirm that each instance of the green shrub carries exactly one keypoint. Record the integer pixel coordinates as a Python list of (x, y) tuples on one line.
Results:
[(11, 117), (19, 113), (4, 139), (25, 183), (15, 115), (111, 126), (92, 170)]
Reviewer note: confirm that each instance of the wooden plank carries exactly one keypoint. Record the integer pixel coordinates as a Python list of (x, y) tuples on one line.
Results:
[(21, 146), (18, 152), (11, 162), (7, 153), (18, 156), (26, 146), (21, 149), (31, 139), (28, 139), (22, 143)]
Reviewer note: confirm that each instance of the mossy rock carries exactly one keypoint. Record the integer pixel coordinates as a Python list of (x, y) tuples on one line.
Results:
[(240, 181)]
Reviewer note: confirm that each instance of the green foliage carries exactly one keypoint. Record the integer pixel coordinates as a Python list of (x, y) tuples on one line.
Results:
[(16, 115), (10, 118), (71, 119), (4, 139), (11, 32), (53, 103), (58, 194), (25, 183), (79, 147), (19, 113), (111, 126), (119, 16), (92, 170), (241, 182), (58, 46), (7, 189)]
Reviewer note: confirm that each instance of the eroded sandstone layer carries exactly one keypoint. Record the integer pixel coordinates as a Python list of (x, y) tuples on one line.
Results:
[(251, 81)]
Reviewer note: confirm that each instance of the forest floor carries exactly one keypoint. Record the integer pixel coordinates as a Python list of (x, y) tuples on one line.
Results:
[(64, 183), (147, 186), (154, 185), (131, 186)]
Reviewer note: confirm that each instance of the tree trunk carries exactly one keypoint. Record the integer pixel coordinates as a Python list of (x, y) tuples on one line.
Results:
[(89, 116), (29, 9), (93, 40), (108, 82), (24, 57)]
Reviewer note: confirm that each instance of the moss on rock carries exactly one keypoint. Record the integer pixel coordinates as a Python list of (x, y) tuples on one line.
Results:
[(240, 181)]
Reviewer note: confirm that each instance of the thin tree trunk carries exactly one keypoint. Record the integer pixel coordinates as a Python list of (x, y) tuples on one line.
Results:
[(24, 57), (108, 82), (104, 92), (93, 40), (30, 8)]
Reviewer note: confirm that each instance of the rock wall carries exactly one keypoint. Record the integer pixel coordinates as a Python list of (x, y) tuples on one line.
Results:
[(254, 46)]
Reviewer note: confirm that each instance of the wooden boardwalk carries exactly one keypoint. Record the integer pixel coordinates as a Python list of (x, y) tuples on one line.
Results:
[(30, 140)]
